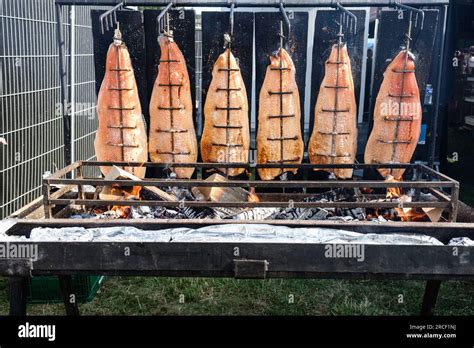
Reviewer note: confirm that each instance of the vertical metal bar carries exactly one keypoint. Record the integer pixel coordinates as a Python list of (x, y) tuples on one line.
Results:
[(46, 205), (80, 191), (72, 68), (454, 202), (63, 86), (18, 291), (438, 91), (69, 297), (430, 297)]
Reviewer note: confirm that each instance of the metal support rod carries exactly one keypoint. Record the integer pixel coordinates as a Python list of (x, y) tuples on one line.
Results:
[(63, 87), (438, 91), (252, 3), (69, 297), (18, 290), (430, 297), (287, 20)]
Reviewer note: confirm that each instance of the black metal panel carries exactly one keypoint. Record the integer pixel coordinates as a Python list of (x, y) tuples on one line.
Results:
[(131, 26), (267, 41), (325, 36), (391, 39), (214, 26)]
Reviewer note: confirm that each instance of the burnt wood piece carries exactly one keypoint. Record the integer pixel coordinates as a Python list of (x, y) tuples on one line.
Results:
[(68, 294), (18, 292), (430, 297)]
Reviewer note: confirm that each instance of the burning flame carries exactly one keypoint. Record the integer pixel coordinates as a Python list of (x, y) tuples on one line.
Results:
[(129, 192), (405, 214), (253, 197), (393, 192)]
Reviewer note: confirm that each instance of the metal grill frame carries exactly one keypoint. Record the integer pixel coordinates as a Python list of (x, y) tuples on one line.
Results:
[(433, 184)]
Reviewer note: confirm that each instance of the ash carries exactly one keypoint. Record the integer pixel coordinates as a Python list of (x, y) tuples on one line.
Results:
[(185, 195)]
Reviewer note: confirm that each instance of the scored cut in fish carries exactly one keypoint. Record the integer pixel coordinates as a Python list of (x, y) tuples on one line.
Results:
[(172, 135), (397, 117), (226, 135), (279, 138), (121, 135), (334, 137)]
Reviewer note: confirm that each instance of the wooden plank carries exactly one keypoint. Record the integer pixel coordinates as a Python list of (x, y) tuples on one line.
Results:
[(325, 36), (391, 37), (182, 23), (117, 172), (282, 258), (267, 41), (131, 26), (214, 26), (223, 194)]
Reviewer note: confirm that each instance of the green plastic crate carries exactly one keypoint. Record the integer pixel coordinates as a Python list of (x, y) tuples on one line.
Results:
[(47, 289)]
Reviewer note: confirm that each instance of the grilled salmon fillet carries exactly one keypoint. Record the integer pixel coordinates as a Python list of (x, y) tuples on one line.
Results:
[(334, 137), (397, 117), (172, 135), (279, 138), (121, 135), (226, 135)]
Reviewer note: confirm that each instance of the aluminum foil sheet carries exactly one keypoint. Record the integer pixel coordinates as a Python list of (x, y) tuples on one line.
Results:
[(242, 233)]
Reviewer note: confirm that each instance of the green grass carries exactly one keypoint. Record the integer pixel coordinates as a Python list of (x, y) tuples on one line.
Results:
[(211, 296)]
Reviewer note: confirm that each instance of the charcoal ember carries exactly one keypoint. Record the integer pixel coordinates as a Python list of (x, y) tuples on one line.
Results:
[(141, 212), (341, 218), (197, 213), (182, 193), (165, 213), (82, 216)]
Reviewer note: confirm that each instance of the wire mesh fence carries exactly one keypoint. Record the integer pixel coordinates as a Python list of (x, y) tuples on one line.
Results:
[(31, 124)]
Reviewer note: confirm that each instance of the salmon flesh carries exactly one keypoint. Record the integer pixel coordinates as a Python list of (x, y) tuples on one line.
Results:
[(172, 135), (226, 135), (121, 135), (334, 137), (397, 117), (279, 138)]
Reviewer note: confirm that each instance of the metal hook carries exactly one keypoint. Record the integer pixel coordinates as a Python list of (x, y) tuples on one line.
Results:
[(348, 19), (112, 14), (164, 25), (287, 22), (418, 11)]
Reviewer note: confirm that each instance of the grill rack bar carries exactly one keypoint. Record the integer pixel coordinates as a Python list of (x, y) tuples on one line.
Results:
[(433, 184)]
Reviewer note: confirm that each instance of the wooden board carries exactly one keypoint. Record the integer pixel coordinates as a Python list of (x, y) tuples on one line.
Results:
[(214, 26), (267, 41), (182, 22), (391, 38), (325, 36), (131, 26)]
